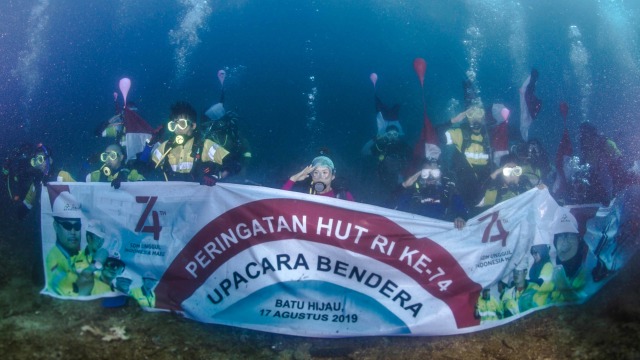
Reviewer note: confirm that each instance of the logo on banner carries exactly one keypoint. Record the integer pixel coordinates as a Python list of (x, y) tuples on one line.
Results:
[(502, 233), (155, 226)]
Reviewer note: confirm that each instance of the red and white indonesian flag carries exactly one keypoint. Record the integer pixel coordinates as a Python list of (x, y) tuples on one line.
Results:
[(137, 132)]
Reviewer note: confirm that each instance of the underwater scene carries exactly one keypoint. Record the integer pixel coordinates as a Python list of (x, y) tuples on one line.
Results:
[(498, 134)]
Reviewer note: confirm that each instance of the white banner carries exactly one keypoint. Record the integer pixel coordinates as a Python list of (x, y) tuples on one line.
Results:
[(298, 264)]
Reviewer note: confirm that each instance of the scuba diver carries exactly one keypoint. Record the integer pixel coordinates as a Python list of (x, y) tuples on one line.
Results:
[(426, 193), (387, 154), (607, 175), (505, 183), (186, 156), (467, 155), (322, 173), (113, 168), (534, 161), (221, 127), (393, 155), (131, 132), (224, 131), (25, 169)]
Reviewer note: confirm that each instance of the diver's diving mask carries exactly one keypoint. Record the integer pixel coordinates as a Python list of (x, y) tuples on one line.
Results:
[(38, 160), (512, 171), (108, 155), (178, 124), (475, 116), (392, 135), (434, 173)]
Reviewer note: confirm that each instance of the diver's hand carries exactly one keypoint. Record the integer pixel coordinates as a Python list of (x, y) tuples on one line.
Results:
[(459, 223), (459, 117), (412, 180), (115, 183), (303, 174), (208, 180)]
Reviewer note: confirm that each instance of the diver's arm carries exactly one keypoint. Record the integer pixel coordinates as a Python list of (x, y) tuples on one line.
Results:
[(458, 118), (411, 180), (303, 174)]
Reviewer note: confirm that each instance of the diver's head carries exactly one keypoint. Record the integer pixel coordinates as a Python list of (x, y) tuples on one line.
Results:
[(41, 159), (430, 173), (112, 157), (475, 114), (531, 151), (324, 172), (182, 121), (534, 150), (392, 133), (587, 135)]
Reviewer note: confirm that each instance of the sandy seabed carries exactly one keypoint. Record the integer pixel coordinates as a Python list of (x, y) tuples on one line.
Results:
[(33, 326)]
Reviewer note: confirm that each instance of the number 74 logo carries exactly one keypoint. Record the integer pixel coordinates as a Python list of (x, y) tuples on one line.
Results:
[(155, 227), (502, 233)]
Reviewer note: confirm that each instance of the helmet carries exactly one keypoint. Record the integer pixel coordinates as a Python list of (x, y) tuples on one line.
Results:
[(564, 222), (66, 206), (95, 227)]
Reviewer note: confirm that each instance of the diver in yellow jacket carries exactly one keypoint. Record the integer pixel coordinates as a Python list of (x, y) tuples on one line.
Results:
[(24, 170), (113, 169), (186, 156)]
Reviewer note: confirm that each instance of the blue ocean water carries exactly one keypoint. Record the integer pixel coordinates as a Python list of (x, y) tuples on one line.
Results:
[(298, 75), (298, 71)]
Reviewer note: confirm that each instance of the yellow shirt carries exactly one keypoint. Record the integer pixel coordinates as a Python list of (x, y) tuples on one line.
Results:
[(489, 310), (475, 152), (142, 299), (180, 159), (60, 272), (100, 287)]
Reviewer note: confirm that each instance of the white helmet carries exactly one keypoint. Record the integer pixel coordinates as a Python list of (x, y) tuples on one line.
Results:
[(66, 206)]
